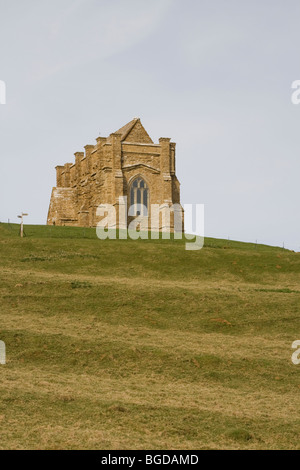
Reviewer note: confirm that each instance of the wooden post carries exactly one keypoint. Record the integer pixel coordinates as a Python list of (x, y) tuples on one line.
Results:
[(22, 224)]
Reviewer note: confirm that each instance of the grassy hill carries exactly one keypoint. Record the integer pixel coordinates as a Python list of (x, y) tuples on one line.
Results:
[(143, 345)]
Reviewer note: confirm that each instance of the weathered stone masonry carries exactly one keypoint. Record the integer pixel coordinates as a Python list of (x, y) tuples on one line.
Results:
[(127, 163)]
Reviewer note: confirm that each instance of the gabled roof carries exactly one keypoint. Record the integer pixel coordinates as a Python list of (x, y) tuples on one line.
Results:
[(134, 131)]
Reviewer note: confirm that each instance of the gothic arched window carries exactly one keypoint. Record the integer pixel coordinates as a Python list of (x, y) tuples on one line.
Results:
[(139, 198)]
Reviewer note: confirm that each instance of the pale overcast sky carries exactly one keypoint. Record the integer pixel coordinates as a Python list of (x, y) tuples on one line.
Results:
[(213, 75)]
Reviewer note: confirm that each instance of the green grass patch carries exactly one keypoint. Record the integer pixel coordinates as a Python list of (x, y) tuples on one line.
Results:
[(143, 345)]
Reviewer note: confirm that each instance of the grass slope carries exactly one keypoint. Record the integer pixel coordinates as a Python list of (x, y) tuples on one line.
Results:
[(143, 345)]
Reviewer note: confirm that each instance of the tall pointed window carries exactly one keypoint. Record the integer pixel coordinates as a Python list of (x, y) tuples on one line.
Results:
[(139, 198)]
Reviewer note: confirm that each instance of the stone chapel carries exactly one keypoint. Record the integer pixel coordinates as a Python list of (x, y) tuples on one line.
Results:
[(127, 163)]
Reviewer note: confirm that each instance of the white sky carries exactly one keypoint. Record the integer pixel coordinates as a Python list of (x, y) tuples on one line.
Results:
[(213, 75)]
